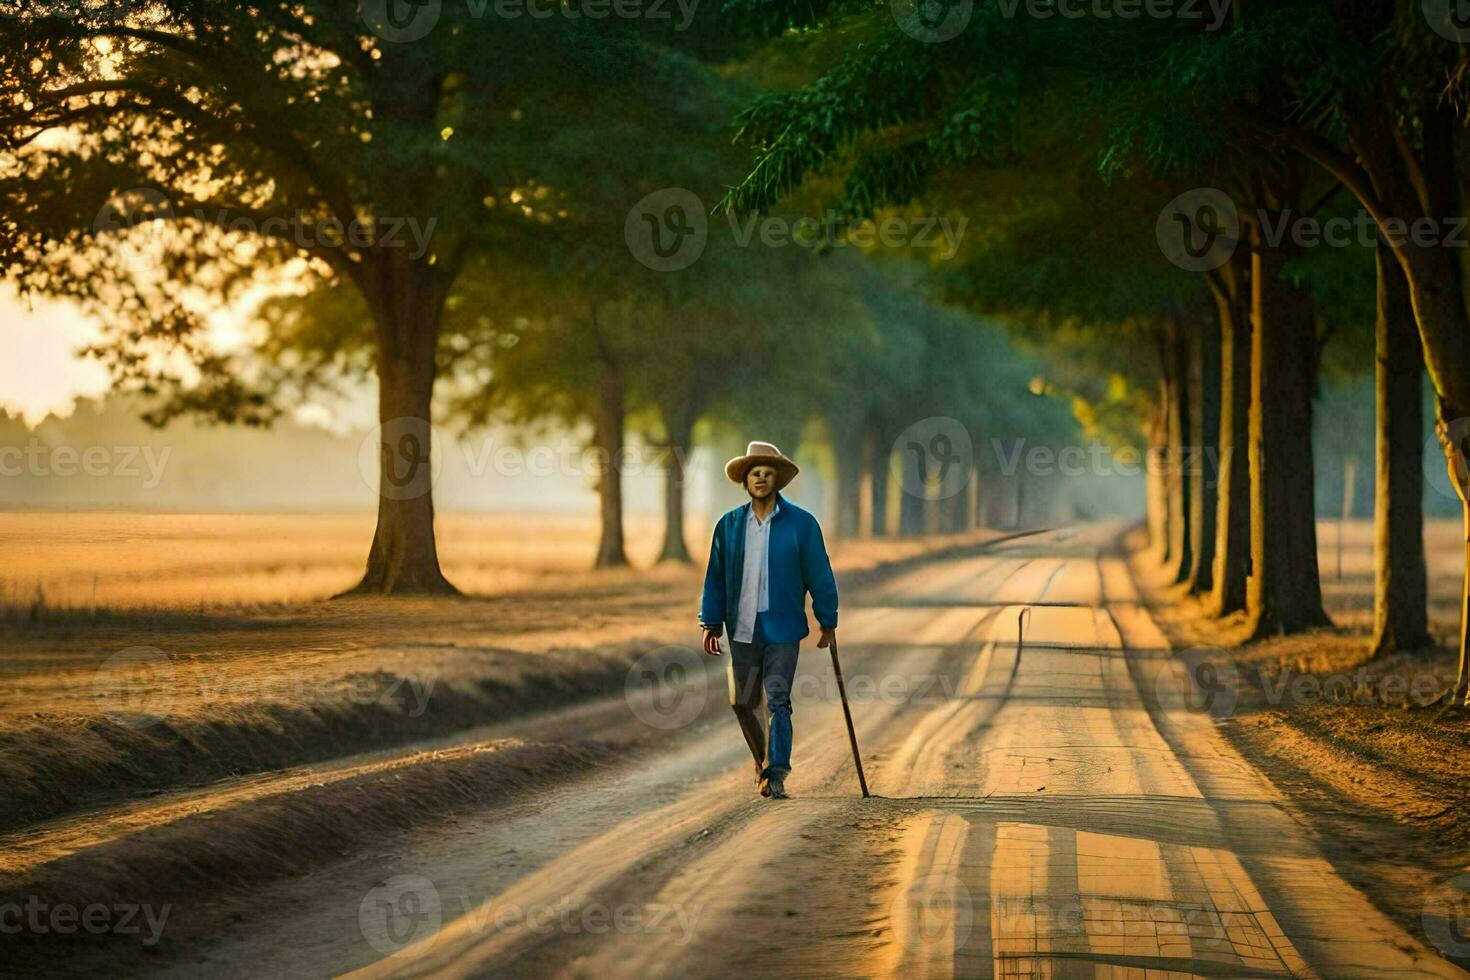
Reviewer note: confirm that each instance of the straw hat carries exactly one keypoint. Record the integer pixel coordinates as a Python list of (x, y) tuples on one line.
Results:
[(757, 453)]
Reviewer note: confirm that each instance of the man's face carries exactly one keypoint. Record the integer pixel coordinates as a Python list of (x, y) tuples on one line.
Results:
[(760, 481)]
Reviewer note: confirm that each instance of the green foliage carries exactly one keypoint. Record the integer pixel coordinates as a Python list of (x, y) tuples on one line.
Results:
[(213, 148), (1062, 138)]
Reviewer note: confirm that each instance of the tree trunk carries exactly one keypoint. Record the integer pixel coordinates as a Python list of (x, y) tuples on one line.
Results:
[(1018, 520), (847, 438), (953, 516), (976, 491), (1400, 617), (1444, 331), (1205, 436), (968, 509), (679, 427), (1387, 178), (1455, 440), (913, 489), (849, 494), (1349, 494), (1232, 513), (1181, 547), (404, 557), (995, 499), (1284, 592), (1156, 484), (879, 464), (608, 439)]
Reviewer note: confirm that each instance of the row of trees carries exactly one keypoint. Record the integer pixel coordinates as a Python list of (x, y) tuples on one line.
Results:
[(262, 127), (161, 160), (450, 213), (1076, 136)]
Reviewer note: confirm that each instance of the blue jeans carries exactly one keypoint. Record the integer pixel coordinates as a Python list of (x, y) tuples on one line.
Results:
[(769, 668)]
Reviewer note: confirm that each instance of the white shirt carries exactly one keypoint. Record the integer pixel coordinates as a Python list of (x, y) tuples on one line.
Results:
[(755, 587)]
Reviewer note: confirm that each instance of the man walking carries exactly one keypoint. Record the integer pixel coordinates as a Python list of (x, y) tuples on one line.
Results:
[(765, 557)]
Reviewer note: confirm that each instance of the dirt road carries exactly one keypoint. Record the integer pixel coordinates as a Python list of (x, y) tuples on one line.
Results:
[(1051, 800)]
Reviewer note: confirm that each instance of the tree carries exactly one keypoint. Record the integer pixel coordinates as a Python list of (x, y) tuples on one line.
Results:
[(1400, 581), (1399, 162), (300, 137), (567, 356), (728, 332), (1370, 93), (1001, 107), (1359, 289), (1230, 285)]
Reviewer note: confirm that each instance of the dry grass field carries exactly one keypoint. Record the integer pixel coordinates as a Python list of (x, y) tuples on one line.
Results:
[(78, 563), (118, 561)]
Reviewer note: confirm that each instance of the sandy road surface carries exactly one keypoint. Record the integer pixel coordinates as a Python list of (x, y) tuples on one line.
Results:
[(1056, 807)]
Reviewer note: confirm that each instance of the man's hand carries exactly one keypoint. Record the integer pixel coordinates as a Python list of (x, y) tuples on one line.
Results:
[(828, 638), (712, 643)]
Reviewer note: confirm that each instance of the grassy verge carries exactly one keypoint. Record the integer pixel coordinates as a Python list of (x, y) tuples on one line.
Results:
[(165, 882), (53, 764)]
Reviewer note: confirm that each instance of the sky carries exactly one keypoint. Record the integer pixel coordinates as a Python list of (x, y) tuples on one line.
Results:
[(39, 371), (42, 374)]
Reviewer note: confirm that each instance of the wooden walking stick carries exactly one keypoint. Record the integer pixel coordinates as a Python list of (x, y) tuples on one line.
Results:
[(847, 713)]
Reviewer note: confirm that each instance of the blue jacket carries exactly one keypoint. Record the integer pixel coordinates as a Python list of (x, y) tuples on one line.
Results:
[(798, 564)]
